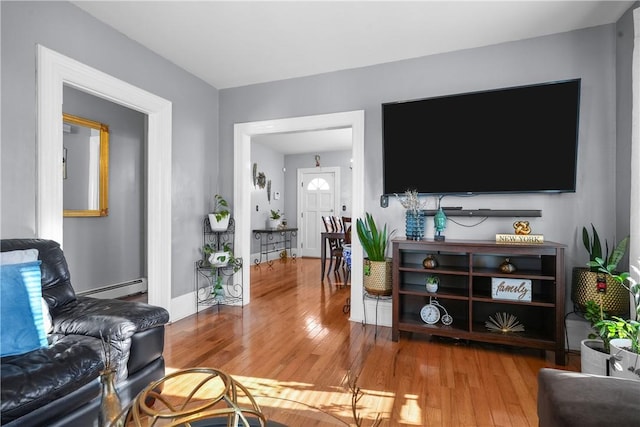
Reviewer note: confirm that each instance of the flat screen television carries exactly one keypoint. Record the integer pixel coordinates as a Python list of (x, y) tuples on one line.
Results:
[(511, 140)]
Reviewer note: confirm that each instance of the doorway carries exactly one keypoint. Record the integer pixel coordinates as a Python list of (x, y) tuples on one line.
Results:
[(243, 132), (56, 70)]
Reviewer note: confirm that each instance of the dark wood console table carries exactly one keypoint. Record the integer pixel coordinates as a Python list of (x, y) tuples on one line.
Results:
[(275, 240)]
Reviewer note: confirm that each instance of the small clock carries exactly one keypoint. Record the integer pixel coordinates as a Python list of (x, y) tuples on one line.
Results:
[(430, 314)]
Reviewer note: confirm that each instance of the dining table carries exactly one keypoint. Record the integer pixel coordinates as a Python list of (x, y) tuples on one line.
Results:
[(324, 238)]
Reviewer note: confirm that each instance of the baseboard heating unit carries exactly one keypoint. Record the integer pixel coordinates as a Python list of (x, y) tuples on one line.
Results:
[(117, 290)]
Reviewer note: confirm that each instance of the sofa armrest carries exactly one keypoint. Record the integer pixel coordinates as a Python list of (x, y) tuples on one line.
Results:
[(110, 319)]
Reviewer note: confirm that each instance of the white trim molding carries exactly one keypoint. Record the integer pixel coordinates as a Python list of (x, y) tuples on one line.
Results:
[(55, 70), (634, 214)]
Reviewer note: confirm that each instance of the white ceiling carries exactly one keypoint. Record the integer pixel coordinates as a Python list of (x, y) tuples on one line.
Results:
[(237, 43)]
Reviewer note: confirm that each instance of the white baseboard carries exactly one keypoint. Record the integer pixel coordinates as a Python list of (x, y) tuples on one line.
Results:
[(183, 306), (118, 290)]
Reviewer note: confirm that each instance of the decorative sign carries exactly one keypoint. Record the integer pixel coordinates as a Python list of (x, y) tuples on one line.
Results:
[(511, 289)]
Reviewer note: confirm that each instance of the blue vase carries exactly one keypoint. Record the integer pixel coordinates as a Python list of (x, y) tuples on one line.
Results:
[(414, 225)]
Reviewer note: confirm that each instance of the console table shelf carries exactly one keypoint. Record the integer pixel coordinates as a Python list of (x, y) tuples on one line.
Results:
[(466, 270)]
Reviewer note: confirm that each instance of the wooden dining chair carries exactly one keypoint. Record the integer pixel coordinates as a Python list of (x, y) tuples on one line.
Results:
[(346, 226), (335, 245)]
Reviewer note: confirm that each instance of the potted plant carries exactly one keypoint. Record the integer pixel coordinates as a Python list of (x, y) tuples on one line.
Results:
[(585, 285), (622, 335), (377, 267), (220, 215), (274, 219), (597, 293), (218, 258), (218, 290), (414, 216), (432, 283)]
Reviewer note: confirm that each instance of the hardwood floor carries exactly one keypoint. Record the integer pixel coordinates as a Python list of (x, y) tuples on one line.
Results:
[(294, 342)]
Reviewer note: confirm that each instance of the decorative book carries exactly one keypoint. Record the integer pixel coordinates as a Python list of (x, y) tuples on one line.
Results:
[(519, 238)]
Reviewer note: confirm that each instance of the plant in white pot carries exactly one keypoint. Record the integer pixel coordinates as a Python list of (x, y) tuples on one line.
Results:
[(274, 219), (377, 267), (220, 215), (218, 257)]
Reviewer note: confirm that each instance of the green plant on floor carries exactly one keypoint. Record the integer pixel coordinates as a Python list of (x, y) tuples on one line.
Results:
[(593, 246), (608, 328)]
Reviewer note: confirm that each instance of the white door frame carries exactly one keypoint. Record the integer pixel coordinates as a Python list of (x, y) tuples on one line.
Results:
[(55, 70), (336, 192), (243, 180)]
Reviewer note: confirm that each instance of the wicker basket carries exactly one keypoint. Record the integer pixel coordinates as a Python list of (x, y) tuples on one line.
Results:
[(615, 301), (377, 277)]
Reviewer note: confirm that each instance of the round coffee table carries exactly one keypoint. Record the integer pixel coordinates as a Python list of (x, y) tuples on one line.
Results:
[(207, 397)]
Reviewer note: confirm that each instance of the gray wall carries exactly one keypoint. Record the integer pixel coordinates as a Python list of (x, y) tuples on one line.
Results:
[(68, 30), (102, 251), (271, 163), (589, 54), (622, 184)]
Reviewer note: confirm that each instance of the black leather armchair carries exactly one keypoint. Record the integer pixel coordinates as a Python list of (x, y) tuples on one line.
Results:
[(59, 385)]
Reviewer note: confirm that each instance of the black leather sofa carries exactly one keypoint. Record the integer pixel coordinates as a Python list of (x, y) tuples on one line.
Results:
[(59, 385)]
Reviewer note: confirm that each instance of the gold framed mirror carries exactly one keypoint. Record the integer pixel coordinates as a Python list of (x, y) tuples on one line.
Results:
[(85, 166)]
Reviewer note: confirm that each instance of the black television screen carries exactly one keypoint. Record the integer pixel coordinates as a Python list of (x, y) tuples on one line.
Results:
[(513, 140)]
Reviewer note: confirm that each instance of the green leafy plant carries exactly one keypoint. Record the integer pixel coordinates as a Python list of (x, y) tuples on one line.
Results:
[(374, 239), (593, 246), (220, 208), (431, 279), (612, 327), (217, 288), (225, 253), (275, 214)]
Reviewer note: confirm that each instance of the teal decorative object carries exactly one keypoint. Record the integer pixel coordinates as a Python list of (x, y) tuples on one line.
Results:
[(440, 223), (414, 224)]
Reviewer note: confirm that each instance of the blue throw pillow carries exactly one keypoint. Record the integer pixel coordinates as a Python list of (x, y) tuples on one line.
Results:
[(22, 323)]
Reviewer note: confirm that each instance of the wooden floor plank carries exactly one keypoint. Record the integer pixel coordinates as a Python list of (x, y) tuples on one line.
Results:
[(294, 342)]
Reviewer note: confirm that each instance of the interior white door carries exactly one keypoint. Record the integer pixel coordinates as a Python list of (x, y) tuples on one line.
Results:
[(317, 196)]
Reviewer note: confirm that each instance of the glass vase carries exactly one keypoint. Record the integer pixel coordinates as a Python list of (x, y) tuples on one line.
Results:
[(414, 224), (110, 404)]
